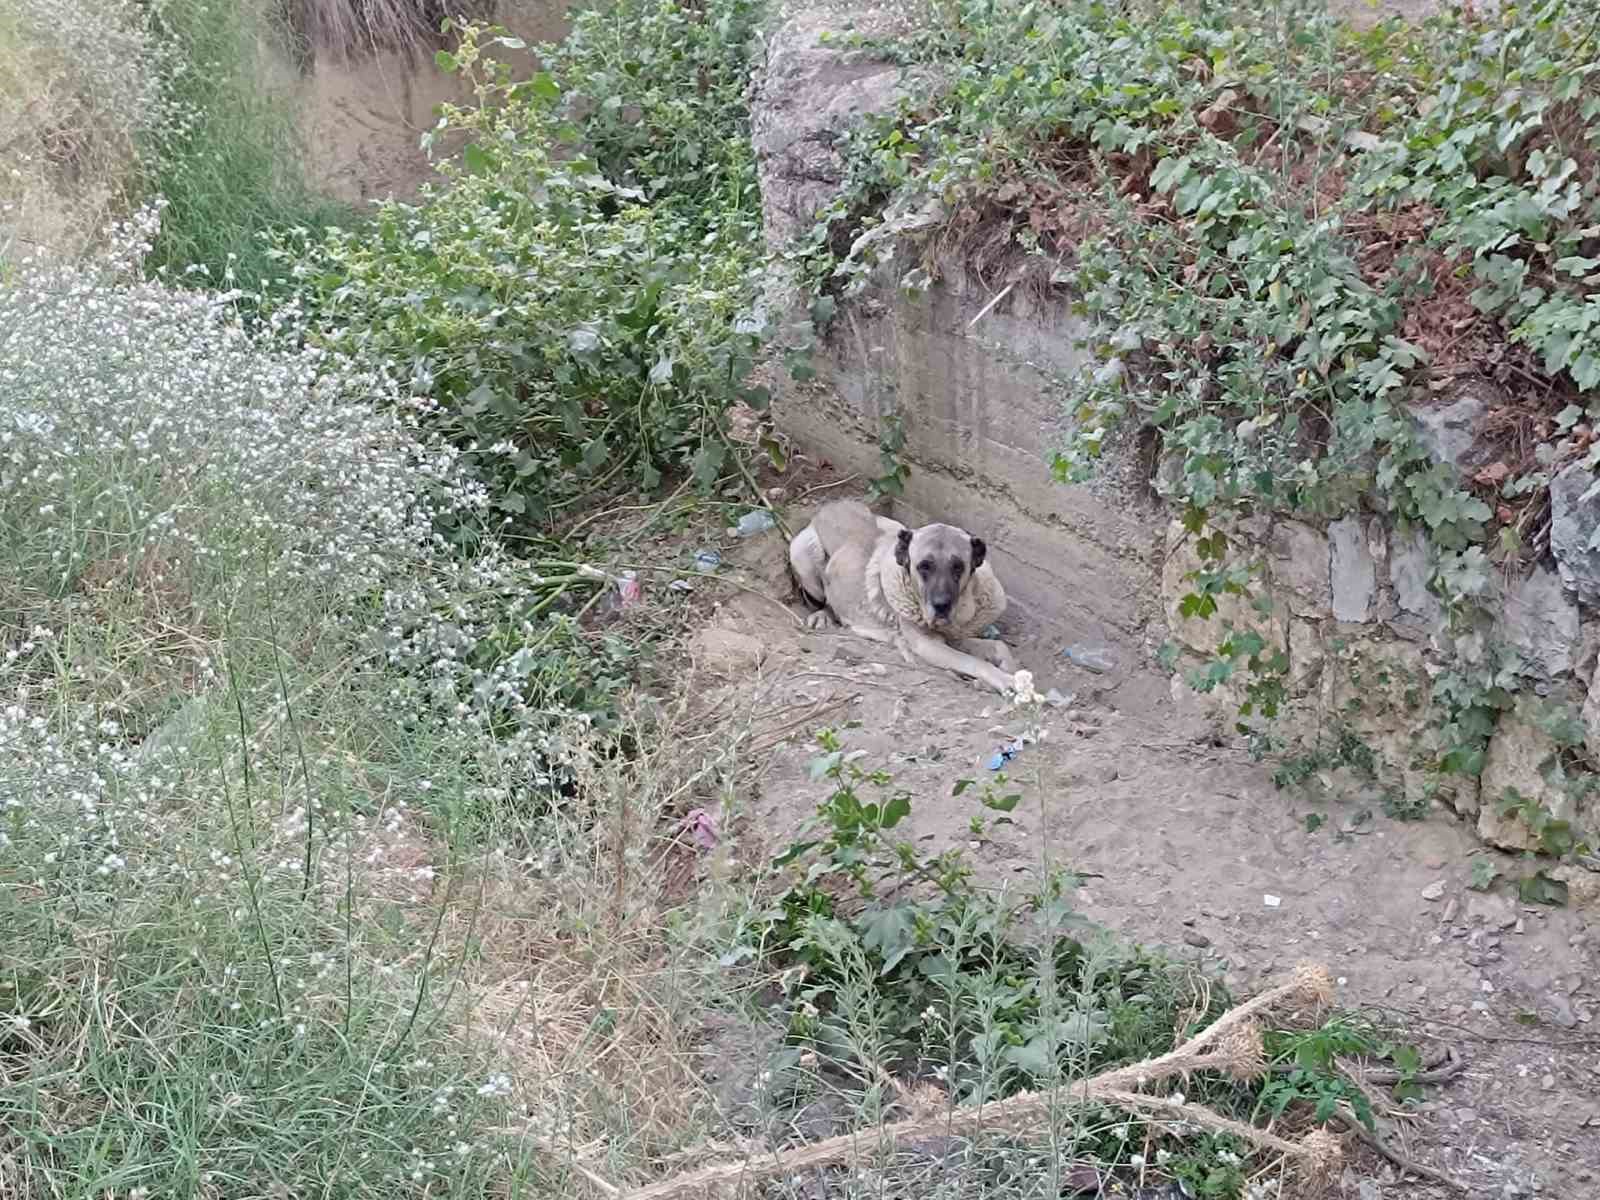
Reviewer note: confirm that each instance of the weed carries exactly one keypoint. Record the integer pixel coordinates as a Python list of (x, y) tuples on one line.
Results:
[(577, 311), (76, 94), (226, 153), (900, 971)]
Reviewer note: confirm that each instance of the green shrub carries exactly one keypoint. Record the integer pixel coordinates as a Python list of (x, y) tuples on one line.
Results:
[(571, 329)]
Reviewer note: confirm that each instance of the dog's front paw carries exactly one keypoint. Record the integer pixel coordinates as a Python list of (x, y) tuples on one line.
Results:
[(1002, 657), (819, 620)]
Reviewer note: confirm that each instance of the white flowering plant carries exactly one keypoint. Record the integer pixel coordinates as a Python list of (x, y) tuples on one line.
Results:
[(247, 690)]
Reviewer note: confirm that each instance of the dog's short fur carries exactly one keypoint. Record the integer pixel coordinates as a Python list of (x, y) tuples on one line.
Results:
[(929, 591)]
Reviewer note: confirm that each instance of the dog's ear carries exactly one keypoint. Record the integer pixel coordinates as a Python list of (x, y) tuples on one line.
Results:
[(980, 551), (902, 548)]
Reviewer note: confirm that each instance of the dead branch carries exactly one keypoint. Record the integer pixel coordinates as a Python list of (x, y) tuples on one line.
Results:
[(1231, 1045)]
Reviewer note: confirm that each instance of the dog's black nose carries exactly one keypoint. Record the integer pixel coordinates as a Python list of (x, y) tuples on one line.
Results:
[(941, 610)]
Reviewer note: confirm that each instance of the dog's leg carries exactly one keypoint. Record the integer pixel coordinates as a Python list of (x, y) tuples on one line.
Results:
[(875, 633), (990, 650), (808, 559), (938, 653)]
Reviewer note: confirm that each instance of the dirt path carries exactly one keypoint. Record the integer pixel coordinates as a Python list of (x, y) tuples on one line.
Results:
[(1191, 844)]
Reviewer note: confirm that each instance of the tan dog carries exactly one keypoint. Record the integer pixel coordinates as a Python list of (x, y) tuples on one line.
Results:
[(928, 591)]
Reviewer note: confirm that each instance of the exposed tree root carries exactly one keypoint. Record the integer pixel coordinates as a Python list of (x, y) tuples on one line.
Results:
[(1231, 1045)]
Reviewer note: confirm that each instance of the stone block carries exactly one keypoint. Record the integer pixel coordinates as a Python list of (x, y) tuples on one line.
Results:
[(1297, 557), (1352, 572), (1574, 517), (1540, 619)]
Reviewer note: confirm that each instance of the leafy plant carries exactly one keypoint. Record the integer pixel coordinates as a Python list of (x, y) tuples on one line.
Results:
[(1305, 1068), (575, 307), (1019, 1000)]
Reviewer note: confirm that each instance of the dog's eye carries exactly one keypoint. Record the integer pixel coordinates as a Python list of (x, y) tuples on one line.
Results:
[(924, 567), (957, 567)]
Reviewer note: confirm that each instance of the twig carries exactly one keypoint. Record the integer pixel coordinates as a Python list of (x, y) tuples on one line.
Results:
[(822, 487), (985, 310), (1408, 1165)]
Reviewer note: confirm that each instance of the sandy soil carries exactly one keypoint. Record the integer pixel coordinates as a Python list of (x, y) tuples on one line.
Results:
[(1187, 842)]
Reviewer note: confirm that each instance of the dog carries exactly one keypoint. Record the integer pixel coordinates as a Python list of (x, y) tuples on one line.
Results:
[(927, 591)]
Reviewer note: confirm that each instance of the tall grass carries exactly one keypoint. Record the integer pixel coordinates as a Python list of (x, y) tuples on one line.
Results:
[(227, 156), (236, 749)]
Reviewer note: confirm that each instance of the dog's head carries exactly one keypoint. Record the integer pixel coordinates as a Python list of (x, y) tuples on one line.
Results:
[(940, 560)]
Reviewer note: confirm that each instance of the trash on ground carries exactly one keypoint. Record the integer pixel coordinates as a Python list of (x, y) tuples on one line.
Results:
[(702, 826), (681, 585), (1271, 901), (991, 631), (707, 561), (1005, 754), (1091, 659), (629, 589), (756, 521), (1055, 699)]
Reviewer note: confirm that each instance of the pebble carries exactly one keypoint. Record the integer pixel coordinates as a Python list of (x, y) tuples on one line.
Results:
[(1271, 901), (1548, 1083), (1434, 891), (1090, 658), (1561, 1008), (1196, 939)]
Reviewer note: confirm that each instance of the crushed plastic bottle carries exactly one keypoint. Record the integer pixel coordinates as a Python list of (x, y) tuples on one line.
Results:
[(756, 521), (1004, 754), (1091, 659), (707, 561), (629, 590)]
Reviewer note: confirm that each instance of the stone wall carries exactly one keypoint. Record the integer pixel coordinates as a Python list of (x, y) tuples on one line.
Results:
[(979, 387), (1347, 603)]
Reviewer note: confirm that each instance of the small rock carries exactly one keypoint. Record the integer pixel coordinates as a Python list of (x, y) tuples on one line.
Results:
[(726, 651), (1548, 1083), (1196, 939), (1434, 891), (1271, 901), (1452, 909), (1561, 1011), (1089, 658), (1447, 433)]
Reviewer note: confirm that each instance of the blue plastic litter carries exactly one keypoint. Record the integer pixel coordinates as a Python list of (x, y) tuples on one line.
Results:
[(707, 561), (756, 521), (1005, 754)]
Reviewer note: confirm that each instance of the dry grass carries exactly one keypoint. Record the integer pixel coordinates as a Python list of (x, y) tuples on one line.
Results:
[(74, 94), (350, 29)]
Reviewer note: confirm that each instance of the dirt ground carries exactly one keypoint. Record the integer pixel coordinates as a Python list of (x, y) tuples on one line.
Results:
[(1191, 846)]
